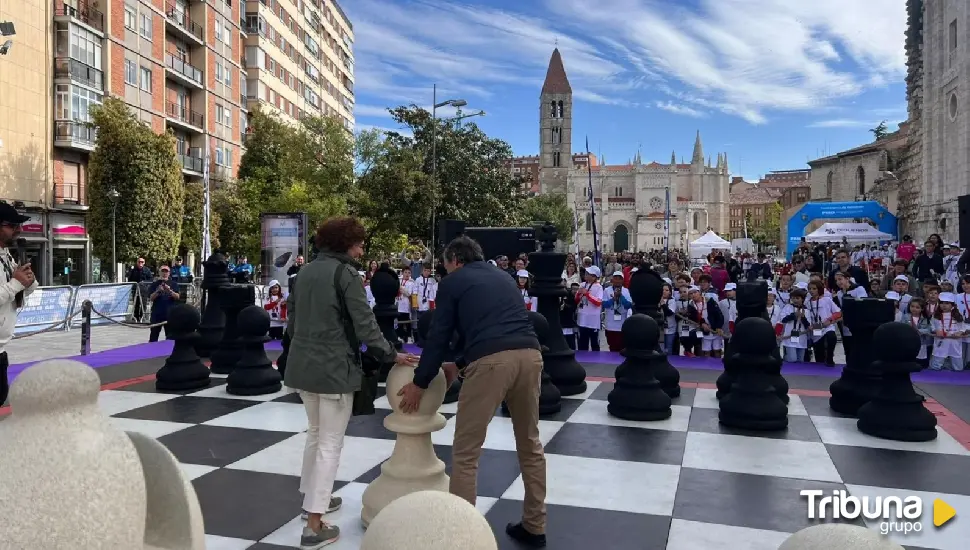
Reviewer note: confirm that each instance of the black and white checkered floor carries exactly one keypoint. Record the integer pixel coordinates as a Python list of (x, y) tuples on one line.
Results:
[(686, 483)]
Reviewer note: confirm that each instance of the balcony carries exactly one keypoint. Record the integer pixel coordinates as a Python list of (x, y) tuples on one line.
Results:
[(69, 196), (180, 21), (183, 116), (82, 13), (65, 67), (183, 72), (191, 164), (74, 135)]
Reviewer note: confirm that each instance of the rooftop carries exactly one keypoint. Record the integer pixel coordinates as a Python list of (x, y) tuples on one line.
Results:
[(556, 80), (755, 196)]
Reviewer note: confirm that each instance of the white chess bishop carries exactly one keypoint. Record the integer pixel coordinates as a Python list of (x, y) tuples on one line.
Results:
[(72, 480)]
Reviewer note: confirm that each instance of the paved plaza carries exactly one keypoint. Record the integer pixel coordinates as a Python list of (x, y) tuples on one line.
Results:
[(686, 483)]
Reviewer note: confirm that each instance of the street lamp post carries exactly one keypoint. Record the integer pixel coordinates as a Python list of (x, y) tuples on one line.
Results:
[(434, 147), (114, 195)]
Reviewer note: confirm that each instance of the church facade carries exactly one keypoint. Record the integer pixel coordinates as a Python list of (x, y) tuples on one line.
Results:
[(629, 199)]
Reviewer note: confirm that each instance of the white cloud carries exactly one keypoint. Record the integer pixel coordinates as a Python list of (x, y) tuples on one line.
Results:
[(371, 111), (679, 109), (745, 58), (853, 123)]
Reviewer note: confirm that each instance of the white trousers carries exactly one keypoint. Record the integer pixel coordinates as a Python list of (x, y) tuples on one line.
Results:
[(327, 416)]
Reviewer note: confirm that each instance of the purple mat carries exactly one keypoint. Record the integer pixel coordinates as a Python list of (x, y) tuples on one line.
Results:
[(127, 354), (799, 369)]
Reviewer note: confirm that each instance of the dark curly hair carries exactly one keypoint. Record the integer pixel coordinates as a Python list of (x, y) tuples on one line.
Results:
[(338, 235)]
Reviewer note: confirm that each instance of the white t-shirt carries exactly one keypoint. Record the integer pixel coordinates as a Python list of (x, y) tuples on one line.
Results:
[(617, 312), (404, 297), (801, 340), (426, 289), (590, 307), (819, 310)]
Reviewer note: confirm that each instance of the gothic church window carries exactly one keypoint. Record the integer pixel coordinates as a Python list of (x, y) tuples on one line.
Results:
[(552, 112), (618, 192), (860, 178), (697, 220), (559, 109), (556, 159), (828, 185), (589, 222)]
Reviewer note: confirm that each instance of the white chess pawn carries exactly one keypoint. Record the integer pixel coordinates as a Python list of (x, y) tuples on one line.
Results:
[(413, 466), (77, 481)]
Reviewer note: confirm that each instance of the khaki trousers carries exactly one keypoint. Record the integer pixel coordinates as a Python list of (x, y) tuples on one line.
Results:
[(512, 376)]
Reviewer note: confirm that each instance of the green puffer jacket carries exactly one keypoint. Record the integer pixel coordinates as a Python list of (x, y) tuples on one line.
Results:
[(321, 359)]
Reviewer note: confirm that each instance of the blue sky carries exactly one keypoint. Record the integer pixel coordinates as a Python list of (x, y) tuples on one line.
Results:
[(771, 82)]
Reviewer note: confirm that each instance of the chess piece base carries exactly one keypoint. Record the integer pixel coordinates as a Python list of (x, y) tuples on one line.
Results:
[(724, 383), (669, 378), (175, 377), (253, 381), (638, 414), (853, 390), (753, 411), (895, 421), (565, 372), (224, 360), (412, 467)]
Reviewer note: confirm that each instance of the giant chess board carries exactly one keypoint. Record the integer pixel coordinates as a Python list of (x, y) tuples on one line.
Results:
[(685, 483)]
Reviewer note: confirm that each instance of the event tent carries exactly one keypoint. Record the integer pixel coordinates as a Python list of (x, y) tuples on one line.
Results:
[(836, 231), (708, 242)]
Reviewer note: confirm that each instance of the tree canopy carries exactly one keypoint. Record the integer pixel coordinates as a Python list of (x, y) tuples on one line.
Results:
[(880, 131), (551, 207), (142, 167)]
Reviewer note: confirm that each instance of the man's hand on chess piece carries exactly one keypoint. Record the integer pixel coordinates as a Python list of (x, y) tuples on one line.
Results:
[(406, 360), (24, 274)]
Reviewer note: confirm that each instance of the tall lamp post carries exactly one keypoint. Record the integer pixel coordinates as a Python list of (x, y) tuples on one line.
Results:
[(434, 147), (114, 195)]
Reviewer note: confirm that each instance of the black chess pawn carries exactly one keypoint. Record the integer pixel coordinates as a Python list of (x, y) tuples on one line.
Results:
[(646, 291), (859, 381), (751, 300), (637, 394), (550, 398), (384, 286), (254, 373), (754, 403), (183, 370), (424, 325), (896, 412)]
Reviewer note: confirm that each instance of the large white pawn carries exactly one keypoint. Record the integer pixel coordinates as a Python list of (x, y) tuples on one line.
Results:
[(429, 520), (412, 466), (838, 536)]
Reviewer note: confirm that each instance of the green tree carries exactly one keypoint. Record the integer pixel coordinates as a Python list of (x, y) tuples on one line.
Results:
[(880, 131), (472, 183), (550, 207), (238, 231), (143, 168), (393, 195), (771, 228)]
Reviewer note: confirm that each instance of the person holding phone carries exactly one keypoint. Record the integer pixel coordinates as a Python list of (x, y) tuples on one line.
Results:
[(164, 294), (16, 283)]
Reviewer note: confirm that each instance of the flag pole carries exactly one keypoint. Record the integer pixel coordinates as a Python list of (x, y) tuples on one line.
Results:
[(592, 209)]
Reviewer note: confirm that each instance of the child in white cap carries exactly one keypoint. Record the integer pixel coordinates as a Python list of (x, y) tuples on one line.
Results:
[(729, 311), (949, 330), (589, 301), (617, 304), (523, 279)]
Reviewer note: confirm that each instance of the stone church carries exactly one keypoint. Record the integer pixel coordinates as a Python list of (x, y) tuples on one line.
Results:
[(629, 199)]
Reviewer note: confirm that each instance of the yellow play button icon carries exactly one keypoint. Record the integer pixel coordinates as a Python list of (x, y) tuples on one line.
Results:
[(942, 512)]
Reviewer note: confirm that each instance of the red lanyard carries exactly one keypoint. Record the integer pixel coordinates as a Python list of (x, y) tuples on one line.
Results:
[(949, 325)]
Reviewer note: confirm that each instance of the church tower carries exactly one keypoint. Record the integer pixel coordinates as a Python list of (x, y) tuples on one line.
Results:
[(555, 127)]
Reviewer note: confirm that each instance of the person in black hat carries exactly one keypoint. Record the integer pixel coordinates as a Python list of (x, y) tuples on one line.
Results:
[(15, 283)]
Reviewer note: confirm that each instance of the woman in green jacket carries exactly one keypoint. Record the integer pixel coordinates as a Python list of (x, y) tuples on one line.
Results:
[(329, 323)]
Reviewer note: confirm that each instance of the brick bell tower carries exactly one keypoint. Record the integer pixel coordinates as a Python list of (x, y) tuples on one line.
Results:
[(555, 127)]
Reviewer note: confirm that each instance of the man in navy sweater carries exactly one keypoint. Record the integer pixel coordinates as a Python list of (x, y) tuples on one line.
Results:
[(500, 348)]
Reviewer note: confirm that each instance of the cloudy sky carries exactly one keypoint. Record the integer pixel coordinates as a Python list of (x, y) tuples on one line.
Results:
[(771, 82)]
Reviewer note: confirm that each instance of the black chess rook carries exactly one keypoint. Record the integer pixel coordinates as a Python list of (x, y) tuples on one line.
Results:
[(860, 381), (232, 299)]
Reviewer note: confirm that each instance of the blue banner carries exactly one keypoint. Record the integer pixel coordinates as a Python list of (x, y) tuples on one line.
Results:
[(111, 300), (44, 307)]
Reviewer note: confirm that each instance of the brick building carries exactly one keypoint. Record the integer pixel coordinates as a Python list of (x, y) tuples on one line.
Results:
[(752, 201), (191, 67), (528, 169)]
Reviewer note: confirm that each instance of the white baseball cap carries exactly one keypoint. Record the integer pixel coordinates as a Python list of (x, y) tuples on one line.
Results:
[(948, 297), (594, 271), (522, 273), (730, 286), (618, 274)]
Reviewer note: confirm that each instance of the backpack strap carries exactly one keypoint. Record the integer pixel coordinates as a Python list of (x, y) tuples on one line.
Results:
[(349, 331)]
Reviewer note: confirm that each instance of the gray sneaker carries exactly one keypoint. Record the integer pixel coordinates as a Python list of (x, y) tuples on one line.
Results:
[(312, 540), (335, 504)]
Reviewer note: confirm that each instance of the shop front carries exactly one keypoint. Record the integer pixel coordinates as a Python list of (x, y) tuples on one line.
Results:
[(71, 250), (33, 246)]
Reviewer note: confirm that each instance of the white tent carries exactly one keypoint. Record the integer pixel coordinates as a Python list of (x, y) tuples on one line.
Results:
[(709, 241), (836, 231)]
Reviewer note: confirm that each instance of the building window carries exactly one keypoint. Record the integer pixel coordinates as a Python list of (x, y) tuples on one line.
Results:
[(219, 71), (589, 222), (219, 30), (146, 80), (952, 107), (953, 35), (220, 113), (828, 185), (130, 18), (85, 47), (556, 157), (131, 73), (74, 103), (618, 191), (71, 186), (227, 117), (559, 109), (146, 25), (860, 178)]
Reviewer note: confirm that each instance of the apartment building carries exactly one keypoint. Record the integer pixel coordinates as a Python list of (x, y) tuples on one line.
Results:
[(299, 58), (527, 168), (192, 67)]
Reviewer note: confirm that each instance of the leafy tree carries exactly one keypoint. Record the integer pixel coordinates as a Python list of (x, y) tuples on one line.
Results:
[(880, 131), (143, 168), (390, 176), (771, 228), (472, 181), (192, 220), (550, 207), (238, 231)]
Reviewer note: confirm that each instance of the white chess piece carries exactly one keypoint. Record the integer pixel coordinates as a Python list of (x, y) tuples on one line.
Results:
[(413, 465), (429, 520), (77, 481)]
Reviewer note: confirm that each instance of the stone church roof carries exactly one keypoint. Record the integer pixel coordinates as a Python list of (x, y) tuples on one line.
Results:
[(556, 81), (755, 195)]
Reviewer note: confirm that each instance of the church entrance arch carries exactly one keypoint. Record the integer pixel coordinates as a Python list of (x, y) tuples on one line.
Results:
[(621, 238), (871, 210)]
